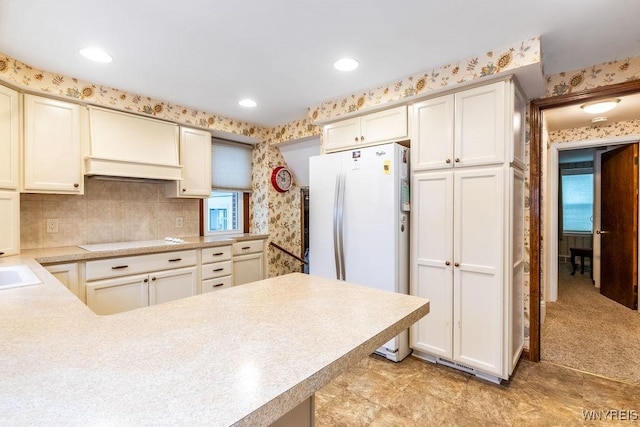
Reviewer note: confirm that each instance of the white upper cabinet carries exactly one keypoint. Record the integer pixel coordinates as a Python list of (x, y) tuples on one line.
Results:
[(52, 146), (432, 137), (479, 126), (195, 159), (371, 129), (124, 144), (9, 138), (10, 223), (469, 128), (519, 123)]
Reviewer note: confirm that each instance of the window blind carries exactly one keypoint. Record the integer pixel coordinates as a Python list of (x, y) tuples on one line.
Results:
[(230, 166)]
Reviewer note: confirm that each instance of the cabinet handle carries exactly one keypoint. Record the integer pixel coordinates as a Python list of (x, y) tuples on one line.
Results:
[(218, 269), (175, 260), (218, 253), (362, 138), (146, 280), (217, 285), (457, 264), (246, 247), (119, 267), (76, 185), (153, 279), (457, 160), (448, 161), (447, 263), (356, 139), (184, 189), (1, 253)]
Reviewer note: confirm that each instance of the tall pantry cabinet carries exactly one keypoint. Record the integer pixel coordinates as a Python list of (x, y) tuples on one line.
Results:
[(468, 228), (9, 171)]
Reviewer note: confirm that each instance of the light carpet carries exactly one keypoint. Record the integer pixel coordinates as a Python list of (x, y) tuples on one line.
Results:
[(587, 331)]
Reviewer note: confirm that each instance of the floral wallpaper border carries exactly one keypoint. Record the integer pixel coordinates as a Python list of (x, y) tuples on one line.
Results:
[(491, 63), (20, 74), (598, 75), (630, 127)]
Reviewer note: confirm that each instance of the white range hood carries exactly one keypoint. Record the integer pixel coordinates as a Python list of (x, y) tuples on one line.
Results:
[(127, 145)]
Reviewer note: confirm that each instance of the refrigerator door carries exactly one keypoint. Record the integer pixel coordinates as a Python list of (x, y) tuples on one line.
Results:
[(324, 176), (371, 209)]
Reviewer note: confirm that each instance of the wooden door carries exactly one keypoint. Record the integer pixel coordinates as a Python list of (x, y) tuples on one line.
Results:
[(619, 225)]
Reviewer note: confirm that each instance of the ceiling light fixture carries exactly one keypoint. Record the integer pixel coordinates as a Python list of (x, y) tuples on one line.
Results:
[(95, 54), (346, 64), (600, 106), (249, 103)]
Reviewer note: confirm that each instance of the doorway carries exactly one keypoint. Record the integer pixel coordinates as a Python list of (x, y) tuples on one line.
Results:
[(536, 189), (577, 313)]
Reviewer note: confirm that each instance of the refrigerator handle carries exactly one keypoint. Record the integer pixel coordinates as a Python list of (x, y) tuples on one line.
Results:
[(343, 273), (336, 245)]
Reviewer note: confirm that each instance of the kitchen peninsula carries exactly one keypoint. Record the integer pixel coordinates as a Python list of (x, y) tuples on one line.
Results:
[(246, 355)]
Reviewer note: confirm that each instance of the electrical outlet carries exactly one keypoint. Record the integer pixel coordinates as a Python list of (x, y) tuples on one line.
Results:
[(179, 222), (52, 225)]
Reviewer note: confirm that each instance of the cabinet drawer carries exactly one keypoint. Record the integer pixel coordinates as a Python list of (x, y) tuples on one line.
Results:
[(216, 269), (248, 247), (124, 266), (216, 284), (220, 253)]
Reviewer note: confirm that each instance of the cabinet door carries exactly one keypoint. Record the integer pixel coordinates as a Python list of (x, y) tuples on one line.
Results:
[(118, 295), (52, 153), (517, 252), (479, 217), (519, 104), (480, 125), (432, 252), (387, 125), (340, 135), (10, 223), (195, 159), (67, 274), (248, 268), (432, 137), (9, 138), (171, 285)]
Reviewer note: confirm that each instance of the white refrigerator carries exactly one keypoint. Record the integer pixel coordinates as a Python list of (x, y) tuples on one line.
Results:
[(359, 222)]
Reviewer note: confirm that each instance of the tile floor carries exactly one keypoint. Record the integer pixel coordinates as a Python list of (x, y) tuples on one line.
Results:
[(377, 392)]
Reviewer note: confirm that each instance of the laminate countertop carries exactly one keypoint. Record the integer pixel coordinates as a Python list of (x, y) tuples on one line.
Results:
[(78, 254), (240, 356)]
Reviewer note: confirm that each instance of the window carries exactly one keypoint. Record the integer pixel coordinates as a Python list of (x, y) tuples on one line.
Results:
[(224, 211), (577, 200)]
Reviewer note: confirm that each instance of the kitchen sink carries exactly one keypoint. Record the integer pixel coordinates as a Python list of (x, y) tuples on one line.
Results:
[(17, 275)]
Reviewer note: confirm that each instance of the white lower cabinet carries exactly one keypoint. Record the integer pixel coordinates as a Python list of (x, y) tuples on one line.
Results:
[(461, 256), (68, 275), (216, 270), (248, 262), (120, 284)]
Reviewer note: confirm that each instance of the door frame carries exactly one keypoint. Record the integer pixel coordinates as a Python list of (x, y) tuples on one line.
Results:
[(536, 108), (551, 208)]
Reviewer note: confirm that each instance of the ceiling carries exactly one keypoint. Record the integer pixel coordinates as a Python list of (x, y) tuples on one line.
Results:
[(208, 54), (573, 116)]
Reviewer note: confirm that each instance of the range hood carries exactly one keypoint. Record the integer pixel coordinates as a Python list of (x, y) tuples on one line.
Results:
[(131, 146)]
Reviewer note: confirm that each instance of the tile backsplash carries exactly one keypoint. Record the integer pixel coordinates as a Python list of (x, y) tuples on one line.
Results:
[(109, 211)]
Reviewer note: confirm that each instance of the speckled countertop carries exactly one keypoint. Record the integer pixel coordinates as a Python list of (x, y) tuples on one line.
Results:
[(76, 253), (245, 355)]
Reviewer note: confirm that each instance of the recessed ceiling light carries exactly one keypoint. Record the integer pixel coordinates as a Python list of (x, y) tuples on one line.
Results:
[(600, 106), (346, 64), (96, 54), (249, 103)]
